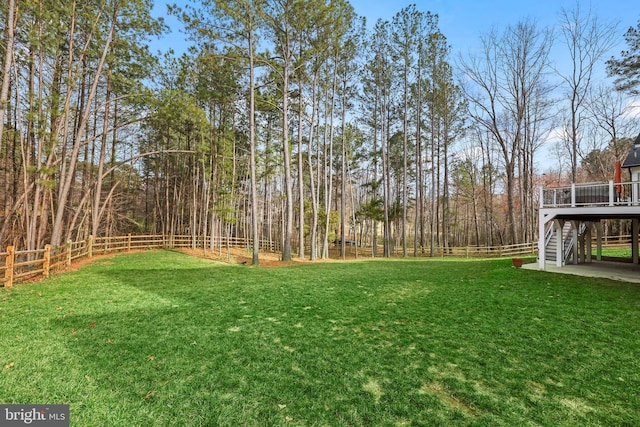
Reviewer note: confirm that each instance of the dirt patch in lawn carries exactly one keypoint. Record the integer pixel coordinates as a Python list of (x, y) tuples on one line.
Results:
[(265, 259), (242, 256)]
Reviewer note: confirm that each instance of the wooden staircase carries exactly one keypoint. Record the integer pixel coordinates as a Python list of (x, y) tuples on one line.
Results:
[(568, 241)]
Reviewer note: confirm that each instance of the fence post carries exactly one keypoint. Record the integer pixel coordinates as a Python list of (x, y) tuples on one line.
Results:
[(129, 243), (8, 274), (46, 263), (90, 247), (68, 252)]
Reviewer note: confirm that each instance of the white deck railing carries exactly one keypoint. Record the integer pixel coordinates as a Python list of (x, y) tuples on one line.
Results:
[(593, 194)]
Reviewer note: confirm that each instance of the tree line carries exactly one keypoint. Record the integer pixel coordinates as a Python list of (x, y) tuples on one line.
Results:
[(295, 122)]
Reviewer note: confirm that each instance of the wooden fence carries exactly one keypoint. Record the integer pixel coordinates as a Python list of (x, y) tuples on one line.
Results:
[(18, 266), (488, 251)]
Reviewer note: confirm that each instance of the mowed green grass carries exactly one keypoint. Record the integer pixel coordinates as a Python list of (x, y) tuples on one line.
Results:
[(164, 339), (623, 252)]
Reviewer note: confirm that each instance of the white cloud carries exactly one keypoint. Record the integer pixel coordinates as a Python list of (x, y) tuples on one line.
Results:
[(557, 134), (632, 109)]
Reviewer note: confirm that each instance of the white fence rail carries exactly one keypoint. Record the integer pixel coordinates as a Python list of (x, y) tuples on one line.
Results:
[(594, 194)]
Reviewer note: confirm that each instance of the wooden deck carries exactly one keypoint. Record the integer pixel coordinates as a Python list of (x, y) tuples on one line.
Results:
[(583, 206), (591, 194)]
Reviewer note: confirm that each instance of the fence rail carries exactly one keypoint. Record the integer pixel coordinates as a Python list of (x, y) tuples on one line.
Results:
[(19, 266), (488, 251)]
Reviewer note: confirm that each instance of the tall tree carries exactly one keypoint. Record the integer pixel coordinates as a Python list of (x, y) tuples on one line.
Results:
[(503, 80), (611, 112), (377, 97), (451, 110), (587, 39), (79, 68), (441, 100), (346, 69), (626, 69), (66, 179), (7, 60), (235, 24), (405, 33), (612, 126), (280, 17), (426, 27)]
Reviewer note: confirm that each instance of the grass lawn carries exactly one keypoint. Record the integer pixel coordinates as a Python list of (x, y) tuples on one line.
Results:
[(163, 339), (623, 252)]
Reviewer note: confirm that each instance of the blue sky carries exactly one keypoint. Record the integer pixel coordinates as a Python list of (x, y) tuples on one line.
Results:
[(462, 21)]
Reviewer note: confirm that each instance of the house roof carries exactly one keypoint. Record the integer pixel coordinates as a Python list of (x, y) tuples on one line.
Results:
[(633, 158)]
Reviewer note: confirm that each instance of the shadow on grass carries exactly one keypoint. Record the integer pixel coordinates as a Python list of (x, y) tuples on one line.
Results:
[(168, 340)]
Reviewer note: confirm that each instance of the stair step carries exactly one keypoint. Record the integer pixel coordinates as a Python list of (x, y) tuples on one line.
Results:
[(551, 248)]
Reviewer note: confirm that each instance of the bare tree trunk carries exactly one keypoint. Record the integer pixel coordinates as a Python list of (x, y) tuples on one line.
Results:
[(288, 185), (343, 184), (587, 39), (312, 182), (386, 178), (328, 162), (434, 205), (418, 235), (255, 234), (67, 180), (446, 214), (405, 160), (95, 212), (9, 38), (300, 171), (194, 206)]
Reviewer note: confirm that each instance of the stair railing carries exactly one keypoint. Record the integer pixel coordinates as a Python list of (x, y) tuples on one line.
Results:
[(569, 241)]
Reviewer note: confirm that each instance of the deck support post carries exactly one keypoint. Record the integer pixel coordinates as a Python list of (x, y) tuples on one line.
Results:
[(635, 228), (599, 240), (587, 242), (559, 242), (574, 233), (542, 250)]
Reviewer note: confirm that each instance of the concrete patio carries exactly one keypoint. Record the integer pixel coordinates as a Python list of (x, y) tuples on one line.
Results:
[(623, 271)]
